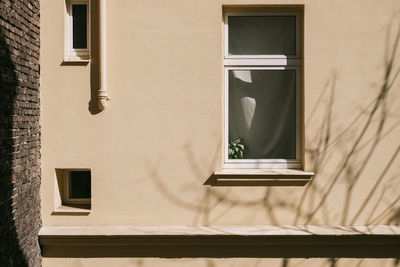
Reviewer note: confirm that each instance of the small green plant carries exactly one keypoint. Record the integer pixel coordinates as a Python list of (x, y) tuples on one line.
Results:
[(236, 149)]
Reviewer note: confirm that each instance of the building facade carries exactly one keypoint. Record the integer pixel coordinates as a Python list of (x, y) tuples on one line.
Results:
[(219, 133)]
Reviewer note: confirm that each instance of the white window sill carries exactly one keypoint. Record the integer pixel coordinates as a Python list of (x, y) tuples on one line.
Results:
[(73, 209), (72, 61), (259, 177)]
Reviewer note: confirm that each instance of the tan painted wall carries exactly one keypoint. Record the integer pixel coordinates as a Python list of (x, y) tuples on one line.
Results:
[(161, 137)]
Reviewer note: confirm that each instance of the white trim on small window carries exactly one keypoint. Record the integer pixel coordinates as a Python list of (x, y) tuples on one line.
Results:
[(71, 53), (263, 62)]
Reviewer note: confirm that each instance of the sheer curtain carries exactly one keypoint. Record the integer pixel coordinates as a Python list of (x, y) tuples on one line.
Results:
[(262, 111)]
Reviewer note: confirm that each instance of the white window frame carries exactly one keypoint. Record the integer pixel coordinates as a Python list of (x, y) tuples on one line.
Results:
[(67, 199), (70, 52), (263, 62)]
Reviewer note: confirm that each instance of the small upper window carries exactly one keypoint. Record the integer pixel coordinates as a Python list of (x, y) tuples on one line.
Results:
[(262, 35), (79, 26), (77, 32), (262, 90)]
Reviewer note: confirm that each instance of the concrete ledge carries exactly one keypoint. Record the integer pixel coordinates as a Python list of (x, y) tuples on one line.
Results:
[(228, 241), (75, 61), (259, 177)]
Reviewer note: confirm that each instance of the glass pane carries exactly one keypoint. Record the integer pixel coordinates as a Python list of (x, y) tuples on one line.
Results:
[(262, 35), (79, 184), (262, 112), (79, 26)]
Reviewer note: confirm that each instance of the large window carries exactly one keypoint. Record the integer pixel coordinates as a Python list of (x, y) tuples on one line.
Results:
[(263, 67)]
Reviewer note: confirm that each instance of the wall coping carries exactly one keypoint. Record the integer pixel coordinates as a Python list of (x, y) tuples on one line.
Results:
[(381, 241), (132, 231)]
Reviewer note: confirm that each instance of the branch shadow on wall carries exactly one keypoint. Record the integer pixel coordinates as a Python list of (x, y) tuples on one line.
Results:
[(373, 118), (362, 144), (211, 204)]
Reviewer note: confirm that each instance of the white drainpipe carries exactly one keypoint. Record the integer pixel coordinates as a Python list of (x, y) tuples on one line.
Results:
[(102, 93)]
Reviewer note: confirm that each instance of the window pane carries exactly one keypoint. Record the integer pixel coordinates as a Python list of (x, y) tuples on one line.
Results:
[(262, 112), (79, 26), (79, 184), (262, 35)]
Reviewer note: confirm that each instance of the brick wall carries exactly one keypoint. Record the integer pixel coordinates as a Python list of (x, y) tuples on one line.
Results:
[(19, 133)]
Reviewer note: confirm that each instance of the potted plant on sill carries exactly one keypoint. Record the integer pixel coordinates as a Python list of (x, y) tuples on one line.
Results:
[(236, 149)]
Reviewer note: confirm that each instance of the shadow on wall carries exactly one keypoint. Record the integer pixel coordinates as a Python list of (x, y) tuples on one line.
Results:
[(359, 144), (94, 58), (362, 138), (94, 64), (10, 250)]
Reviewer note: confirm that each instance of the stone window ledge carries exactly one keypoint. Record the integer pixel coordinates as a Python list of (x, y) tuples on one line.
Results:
[(75, 61), (76, 209), (259, 177)]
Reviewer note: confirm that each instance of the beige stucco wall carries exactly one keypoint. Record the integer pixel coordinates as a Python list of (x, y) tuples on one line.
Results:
[(160, 138)]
